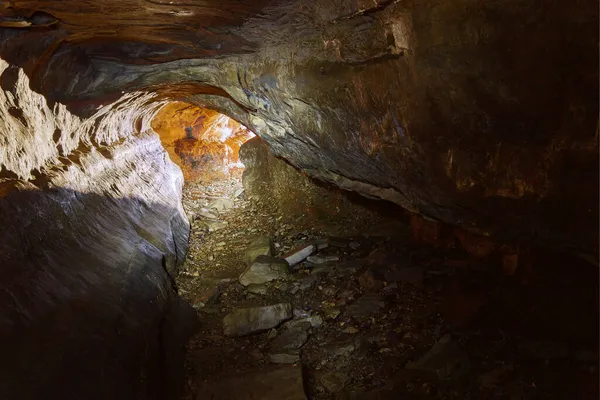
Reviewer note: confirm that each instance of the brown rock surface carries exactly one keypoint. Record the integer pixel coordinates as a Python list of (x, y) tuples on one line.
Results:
[(93, 231), (458, 111), (272, 383), (479, 115)]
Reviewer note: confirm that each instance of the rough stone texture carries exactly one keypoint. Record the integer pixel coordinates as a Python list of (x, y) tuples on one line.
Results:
[(459, 111), (92, 229), (479, 122), (264, 269), (479, 114), (366, 306), (284, 358), (221, 205), (290, 339), (320, 259), (256, 319), (257, 289), (260, 246), (269, 179), (333, 382)]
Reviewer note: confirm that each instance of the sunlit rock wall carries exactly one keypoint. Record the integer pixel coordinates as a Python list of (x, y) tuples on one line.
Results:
[(204, 143), (92, 228)]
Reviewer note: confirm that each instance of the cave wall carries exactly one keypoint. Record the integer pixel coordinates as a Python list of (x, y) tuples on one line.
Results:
[(479, 114), (272, 182), (483, 115), (92, 230)]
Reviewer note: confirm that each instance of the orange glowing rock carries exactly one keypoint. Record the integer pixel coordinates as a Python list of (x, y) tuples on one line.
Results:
[(204, 143)]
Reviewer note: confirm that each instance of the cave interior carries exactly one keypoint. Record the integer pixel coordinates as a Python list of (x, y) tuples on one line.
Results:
[(299, 199)]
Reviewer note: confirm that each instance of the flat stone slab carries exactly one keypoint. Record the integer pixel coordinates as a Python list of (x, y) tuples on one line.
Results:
[(256, 319), (299, 254), (281, 382), (290, 339), (257, 289), (321, 259), (221, 204), (264, 269), (260, 246), (284, 358)]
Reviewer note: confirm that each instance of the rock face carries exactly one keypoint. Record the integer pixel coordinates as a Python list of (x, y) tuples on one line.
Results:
[(483, 115), (269, 179), (92, 229), (458, 111)]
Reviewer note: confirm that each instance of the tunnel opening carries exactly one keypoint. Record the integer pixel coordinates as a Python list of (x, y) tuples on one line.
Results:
[(204, 143)]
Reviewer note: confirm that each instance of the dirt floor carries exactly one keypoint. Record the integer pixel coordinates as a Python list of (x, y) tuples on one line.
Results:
[(384, 317)]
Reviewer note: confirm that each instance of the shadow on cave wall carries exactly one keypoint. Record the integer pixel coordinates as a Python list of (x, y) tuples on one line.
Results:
[(89, 309)]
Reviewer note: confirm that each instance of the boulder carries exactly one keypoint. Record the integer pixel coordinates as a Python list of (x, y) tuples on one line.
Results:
[(221, 204), (320, 259), (290, 339), (260, 246), (256, 319), (264, 269), (255, 288), (299, 254)]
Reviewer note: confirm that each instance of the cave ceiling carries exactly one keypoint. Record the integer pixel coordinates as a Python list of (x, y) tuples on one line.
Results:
[(479, 114), (139, 31)]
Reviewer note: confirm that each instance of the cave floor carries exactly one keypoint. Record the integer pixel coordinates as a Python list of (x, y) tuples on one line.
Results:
[(399, 320)]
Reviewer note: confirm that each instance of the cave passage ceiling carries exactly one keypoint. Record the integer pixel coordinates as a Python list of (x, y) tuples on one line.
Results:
[(479, 114)]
